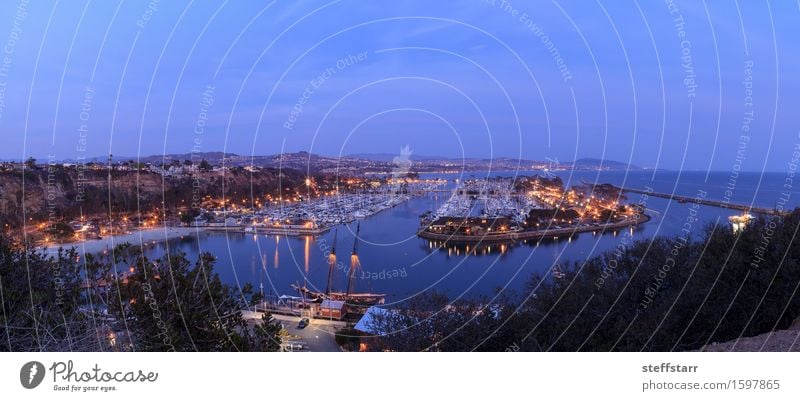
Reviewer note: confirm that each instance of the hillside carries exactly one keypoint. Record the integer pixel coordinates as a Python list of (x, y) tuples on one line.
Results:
[(369, 162), (599, 164), (774, 341), (71, 192)]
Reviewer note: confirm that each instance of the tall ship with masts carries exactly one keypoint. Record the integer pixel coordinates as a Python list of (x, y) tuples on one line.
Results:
[(354, 301)]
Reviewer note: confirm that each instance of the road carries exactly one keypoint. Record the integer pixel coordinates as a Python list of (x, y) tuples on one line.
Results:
[(318, 336)]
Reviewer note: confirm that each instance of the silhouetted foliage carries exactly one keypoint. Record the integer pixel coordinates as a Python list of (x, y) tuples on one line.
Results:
[(161, 305), (61, 230), (41, 300), (173, 305), (665, 294)]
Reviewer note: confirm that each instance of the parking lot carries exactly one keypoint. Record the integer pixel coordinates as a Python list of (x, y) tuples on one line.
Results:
[(318, 336)]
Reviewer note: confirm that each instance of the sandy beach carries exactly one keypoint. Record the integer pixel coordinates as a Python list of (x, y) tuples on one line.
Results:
[(139, 237)]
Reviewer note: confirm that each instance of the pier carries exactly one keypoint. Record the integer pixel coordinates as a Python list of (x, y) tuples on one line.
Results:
[(708, 202)]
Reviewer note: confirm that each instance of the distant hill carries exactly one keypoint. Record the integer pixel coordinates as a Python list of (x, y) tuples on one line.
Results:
[(58, 191), (597, 164), (368, 161), (210, 156), (388, 157)]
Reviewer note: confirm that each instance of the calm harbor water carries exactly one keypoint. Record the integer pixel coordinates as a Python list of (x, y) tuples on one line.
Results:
[(396, 262)]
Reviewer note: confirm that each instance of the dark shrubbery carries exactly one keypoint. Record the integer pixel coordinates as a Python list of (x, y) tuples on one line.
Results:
[(163, 305), (661, 295)]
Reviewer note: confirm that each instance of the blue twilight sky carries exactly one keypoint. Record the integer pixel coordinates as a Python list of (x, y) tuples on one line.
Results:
[(622, 80)]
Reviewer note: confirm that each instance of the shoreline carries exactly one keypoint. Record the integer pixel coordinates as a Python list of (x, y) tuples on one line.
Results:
[(164, 234), (136, 238), (526, 235), (287, 232)]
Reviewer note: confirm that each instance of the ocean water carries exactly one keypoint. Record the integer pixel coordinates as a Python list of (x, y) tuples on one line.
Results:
[(396, 262)]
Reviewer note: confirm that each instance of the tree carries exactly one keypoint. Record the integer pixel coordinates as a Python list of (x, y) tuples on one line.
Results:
[(188, 217), (429, 322), (30, 163), (348, 338), (61, 230), (176, 306), (160, 305), (204, 165), (607, 215), (268, 333), (42, 303), (665, 294)]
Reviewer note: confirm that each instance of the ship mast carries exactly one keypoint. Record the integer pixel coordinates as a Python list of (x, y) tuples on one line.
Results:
[(354, 263), (331, 263)]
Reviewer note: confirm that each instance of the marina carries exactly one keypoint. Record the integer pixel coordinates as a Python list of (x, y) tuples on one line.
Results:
[(526, 208), (395, 261), (316, 215), (514, 235)]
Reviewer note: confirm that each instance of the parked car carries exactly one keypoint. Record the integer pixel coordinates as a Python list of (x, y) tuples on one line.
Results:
[(303, 323)]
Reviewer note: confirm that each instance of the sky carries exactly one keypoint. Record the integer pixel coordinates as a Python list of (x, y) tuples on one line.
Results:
[(691, 85)]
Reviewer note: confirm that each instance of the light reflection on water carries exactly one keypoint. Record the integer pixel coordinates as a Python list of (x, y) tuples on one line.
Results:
[(394, 261)]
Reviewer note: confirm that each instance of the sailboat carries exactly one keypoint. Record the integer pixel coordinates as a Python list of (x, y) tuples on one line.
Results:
[(349, 297)]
